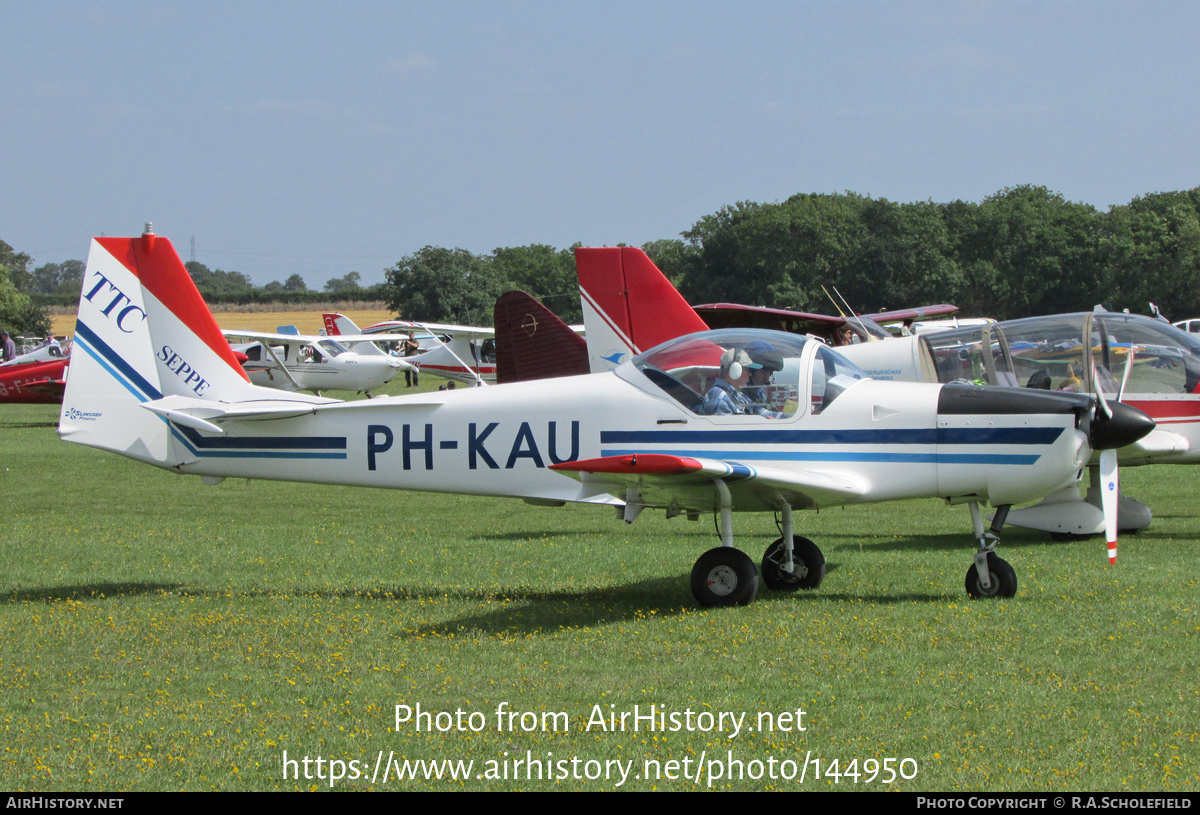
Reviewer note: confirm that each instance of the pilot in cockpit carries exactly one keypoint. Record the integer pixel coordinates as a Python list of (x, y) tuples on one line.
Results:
[(741, 369)]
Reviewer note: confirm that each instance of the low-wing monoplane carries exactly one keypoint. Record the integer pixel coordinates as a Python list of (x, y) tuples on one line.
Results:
[(459, 352), (294, 362), (158, 382)]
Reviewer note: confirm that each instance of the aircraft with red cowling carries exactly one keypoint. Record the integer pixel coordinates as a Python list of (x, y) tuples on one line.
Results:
[(156, 381)]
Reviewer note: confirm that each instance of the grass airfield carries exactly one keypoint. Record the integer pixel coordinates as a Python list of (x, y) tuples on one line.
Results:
[(157, 634)]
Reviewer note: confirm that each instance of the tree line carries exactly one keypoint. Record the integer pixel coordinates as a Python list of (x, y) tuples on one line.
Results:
[(1021, 252)]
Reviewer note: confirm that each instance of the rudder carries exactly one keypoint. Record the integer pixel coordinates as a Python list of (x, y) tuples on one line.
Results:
[(143, 332), (628, 305)]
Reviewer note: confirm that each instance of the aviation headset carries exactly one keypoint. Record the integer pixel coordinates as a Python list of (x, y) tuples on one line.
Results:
[(734, 360)]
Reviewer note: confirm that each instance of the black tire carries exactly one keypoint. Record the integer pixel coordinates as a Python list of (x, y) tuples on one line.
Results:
[(724, 576), (807, 558), (1002, 577)]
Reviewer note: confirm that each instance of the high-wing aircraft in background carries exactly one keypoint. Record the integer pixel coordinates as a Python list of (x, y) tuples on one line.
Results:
[(293, 362), (459, 352), (156, 381)]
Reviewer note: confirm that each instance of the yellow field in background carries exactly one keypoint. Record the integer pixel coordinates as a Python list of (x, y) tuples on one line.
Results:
[(308, 322)]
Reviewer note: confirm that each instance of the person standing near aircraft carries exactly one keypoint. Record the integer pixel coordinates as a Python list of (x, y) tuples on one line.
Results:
[(10, 347), (411, 375), (751, 366)]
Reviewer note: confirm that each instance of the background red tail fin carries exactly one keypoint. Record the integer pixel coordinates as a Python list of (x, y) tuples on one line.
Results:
[(532, 343)]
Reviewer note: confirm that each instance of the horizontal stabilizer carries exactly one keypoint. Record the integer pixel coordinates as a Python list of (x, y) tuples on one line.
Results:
[(202, 414)]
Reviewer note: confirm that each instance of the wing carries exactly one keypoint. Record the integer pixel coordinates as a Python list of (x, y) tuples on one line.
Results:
[(467, 331), (688, 483), (273, 339)]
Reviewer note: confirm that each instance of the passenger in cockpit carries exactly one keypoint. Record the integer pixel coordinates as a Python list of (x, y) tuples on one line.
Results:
[(751, 366)]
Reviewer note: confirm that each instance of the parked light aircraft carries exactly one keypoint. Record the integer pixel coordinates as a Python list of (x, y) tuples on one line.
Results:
[(459, 352), (629, 306), (293, 362), (156, 381), (36, 377)]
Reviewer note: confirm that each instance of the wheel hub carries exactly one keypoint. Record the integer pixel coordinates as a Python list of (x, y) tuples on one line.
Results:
[(722, 580)]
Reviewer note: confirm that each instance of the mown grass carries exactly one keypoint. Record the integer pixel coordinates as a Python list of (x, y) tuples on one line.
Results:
[(156, 634)]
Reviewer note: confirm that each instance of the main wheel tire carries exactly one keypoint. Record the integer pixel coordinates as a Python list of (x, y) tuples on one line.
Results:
[(1002, 577), (806, 557), (724, 576)]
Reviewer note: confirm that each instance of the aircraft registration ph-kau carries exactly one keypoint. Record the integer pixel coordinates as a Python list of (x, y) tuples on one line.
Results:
[(156, 381)]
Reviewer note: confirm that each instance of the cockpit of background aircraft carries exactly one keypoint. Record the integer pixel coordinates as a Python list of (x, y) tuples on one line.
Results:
[(1058, 352), (811, 372)]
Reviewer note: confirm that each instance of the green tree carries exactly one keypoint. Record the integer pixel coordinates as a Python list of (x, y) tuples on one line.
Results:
[(1151, 253), (1040, 251), (57, 278), (216, 283), (444, 285), (347, 282), (542, 271), (295, 283), (18, 314)]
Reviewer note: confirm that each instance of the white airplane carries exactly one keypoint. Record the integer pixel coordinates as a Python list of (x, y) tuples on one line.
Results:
[(459, 352), (156, 381), (47, 350), (294, 362)]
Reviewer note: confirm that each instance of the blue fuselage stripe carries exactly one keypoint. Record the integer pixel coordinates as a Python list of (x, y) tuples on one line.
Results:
[(784, 455), (941, 435)]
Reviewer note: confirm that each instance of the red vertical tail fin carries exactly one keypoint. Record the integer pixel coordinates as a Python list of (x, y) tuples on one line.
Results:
[(628, 305)]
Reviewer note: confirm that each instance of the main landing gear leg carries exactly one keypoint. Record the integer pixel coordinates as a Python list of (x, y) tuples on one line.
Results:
[(990, 575), (724, 576)]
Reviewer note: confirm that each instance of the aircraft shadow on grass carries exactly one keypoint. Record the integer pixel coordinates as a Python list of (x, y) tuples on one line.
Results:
[(87, 591), (1017, 539)]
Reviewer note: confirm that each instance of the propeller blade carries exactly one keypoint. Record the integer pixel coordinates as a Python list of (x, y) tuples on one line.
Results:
[(1096, 390), (1110, 494), (1125, 378)]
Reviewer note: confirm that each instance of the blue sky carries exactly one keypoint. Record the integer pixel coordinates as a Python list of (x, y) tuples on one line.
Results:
[(323, 138)]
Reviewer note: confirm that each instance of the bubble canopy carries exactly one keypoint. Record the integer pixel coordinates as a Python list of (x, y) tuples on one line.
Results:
[(777, 371)]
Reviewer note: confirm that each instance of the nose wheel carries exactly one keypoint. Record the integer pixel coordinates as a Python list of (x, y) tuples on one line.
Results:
[(1002, 579), (990, 575), (807, 567)]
